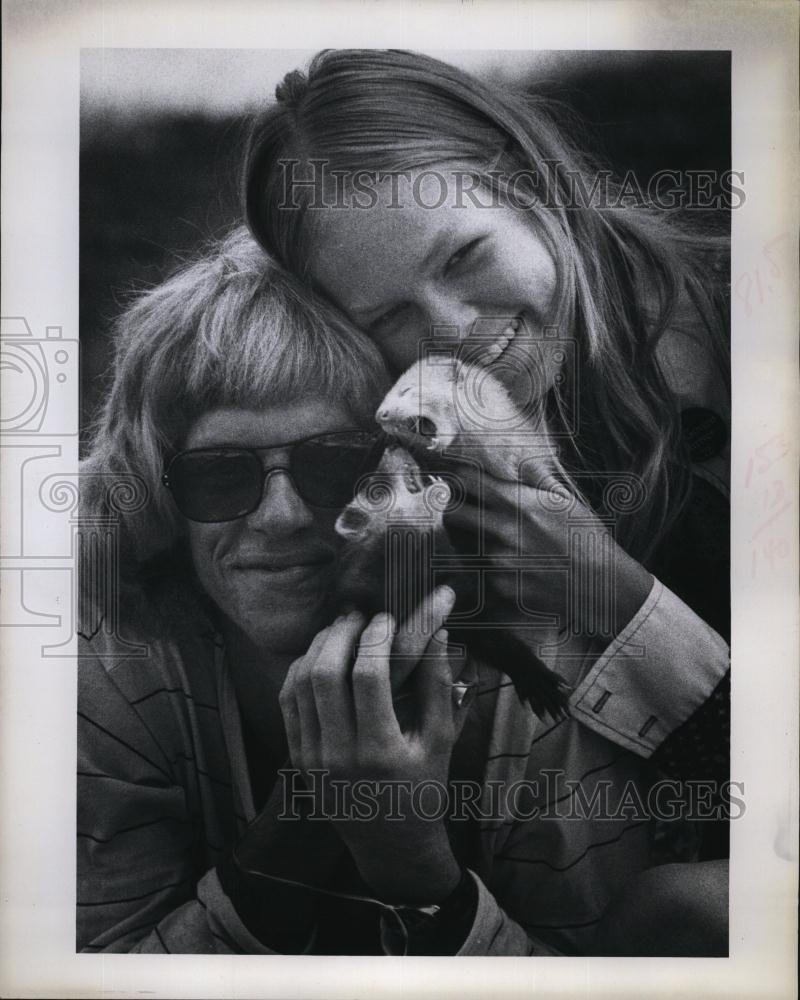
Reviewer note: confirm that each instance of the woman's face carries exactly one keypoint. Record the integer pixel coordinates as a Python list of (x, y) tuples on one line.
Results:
[(404, 272), (272, 571)]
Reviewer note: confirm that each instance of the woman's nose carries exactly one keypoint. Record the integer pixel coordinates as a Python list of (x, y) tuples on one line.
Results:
[(449, 316), (281, 508)]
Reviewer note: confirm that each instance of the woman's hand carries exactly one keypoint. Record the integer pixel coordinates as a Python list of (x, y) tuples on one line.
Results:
[(568, 566), (340, 720)]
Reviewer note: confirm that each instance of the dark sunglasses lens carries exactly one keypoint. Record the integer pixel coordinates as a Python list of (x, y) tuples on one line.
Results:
[(326, 469), (211, 486)]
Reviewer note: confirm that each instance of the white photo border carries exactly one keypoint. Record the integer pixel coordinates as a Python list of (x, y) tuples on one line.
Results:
[(40, 155)]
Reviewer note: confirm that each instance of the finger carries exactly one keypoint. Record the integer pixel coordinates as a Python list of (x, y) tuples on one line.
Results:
[(297, 673), (479, 530), (298, 707), (483, 472), (414, 634), (297, 669), (319, 639), (425, 620), (330, 681), (372, 688), (433, 685), (486, 475), (291, 722), (287, 700), (473, 509), (309, 730), (503, 514), (534, 488), (463, 526), (535, 518)]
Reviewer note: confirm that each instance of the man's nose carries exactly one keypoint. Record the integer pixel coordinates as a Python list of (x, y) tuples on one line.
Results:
[(281, 508)]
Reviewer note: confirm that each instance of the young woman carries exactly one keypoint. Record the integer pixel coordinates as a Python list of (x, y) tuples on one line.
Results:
[(435, 209), (373, 160)]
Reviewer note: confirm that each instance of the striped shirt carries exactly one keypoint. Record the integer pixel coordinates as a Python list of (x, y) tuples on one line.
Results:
[(164, 789)]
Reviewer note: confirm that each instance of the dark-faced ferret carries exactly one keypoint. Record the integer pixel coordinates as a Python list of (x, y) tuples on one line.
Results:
[(397, 546)]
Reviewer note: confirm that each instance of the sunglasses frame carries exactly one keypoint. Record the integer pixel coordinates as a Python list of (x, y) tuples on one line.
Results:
[(375, 442)]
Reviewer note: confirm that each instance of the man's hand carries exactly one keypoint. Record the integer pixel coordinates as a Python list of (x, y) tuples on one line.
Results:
[(340, 718)]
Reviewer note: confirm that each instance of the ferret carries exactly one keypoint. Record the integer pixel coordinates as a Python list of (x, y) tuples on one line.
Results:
[(442, 404), (393, 530)]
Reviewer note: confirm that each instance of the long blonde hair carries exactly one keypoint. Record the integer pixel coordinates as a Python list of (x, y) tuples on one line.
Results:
[(623, 275)]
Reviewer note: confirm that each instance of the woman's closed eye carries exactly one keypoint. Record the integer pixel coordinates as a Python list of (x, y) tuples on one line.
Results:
[(461, 255), (387, 320), (399, 315)]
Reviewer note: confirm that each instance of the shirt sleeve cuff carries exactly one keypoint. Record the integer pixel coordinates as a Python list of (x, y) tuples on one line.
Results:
[(659, 670), (225, 923), (493, 932)]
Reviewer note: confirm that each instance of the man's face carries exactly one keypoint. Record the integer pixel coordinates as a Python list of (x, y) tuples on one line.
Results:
[(270, 572)]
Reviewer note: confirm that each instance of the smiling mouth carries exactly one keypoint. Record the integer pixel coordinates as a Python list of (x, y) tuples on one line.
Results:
[(498, 348), (281, 566)]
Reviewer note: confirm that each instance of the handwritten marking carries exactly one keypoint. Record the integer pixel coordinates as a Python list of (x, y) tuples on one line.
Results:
[(770, 502), (746, 281)]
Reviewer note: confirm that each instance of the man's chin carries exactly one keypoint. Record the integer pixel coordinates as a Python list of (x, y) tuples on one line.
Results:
[(285, 635)]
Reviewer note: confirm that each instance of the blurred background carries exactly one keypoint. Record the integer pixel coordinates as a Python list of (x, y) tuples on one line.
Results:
[(162, 132)]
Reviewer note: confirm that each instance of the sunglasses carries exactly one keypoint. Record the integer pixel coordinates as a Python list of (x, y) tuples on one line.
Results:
[(218, 484)]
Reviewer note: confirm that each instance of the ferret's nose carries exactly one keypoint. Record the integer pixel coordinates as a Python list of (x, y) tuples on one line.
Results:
[(382, 414)]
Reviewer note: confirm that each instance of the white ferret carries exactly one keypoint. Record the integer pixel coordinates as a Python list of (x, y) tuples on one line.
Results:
[(442, 404), (396, 524)]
